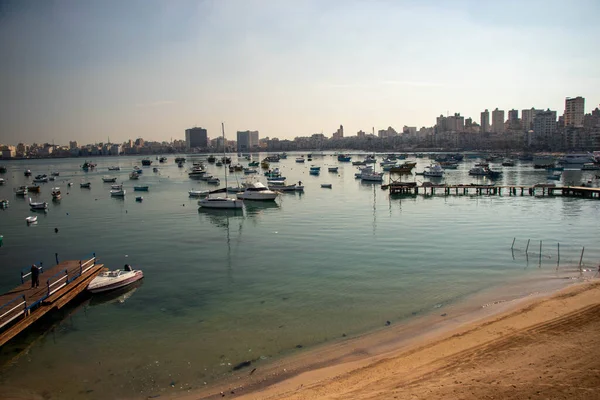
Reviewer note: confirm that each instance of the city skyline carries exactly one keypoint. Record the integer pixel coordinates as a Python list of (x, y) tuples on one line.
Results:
[(88, 71)]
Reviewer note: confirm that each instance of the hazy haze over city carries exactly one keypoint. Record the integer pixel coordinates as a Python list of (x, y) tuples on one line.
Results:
[(89, 70)]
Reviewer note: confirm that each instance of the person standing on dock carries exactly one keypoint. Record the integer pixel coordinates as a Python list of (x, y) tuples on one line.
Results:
[(35, 276)]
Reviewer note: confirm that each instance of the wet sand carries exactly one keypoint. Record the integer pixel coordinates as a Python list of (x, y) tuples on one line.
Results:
[(540, 346)]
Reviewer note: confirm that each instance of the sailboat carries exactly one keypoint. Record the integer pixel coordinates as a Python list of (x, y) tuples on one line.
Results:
[(221, 202)]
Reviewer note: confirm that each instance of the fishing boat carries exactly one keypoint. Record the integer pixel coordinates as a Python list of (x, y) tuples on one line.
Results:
[(87, 165), (31, 219), (154, 169), (118, 192), (140, 188), (134, 175), (2, 181), (196, 173), (56, 193), (22, 191), (344, 158), (116, 187), (34, 188), (248, 171), (114, 168), (146, 162), (28, 172), (300, 159), (85, 185), (326, 185), (54, 173), (403, 168), (42, 205), (590, 167), (179, 159), (211, 159), (314, 172), (221, 202), (434, 171), (109, 280), (332, 169), (41, 178), (139, 199), (109, 179), (213, 181), (555, 176), (3, 203), (282, 187), (253, 164)]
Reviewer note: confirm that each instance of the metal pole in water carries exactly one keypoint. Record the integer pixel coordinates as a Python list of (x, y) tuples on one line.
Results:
[(527, 248), (558, 260), (513, 245), (581, 258), (540, 252)]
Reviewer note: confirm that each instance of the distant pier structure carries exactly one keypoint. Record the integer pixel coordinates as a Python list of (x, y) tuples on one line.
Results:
[(428, 188), (59, 284)]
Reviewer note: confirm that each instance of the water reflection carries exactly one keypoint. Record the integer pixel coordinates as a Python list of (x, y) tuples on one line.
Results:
[(220, 217), (257, 208), (118, 296)]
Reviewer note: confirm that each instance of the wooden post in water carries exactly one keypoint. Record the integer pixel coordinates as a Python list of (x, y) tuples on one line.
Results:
[(527, 248), (540, 253), (558, 259), (513, 245), (581, 258)]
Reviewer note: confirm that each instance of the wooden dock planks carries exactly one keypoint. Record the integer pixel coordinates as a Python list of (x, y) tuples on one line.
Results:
[(56, 300)]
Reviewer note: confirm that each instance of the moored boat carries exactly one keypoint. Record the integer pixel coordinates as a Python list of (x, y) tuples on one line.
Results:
[(115, 279), (42, 205), (257, 191), (109, 179), (56, 193), (118, 192), (31, 219), (140, 188), (85, 185)]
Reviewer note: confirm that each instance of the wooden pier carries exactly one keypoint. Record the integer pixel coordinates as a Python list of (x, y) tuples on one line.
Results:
[(59, 284), (428, 188)]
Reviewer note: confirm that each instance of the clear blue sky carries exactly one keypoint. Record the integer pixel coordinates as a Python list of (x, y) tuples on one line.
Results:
[(87, 70)]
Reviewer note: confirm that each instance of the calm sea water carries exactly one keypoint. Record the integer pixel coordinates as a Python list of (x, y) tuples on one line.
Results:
[(223, 287)]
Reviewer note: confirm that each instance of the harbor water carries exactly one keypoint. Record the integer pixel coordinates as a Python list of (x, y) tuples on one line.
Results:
[(265, 282)]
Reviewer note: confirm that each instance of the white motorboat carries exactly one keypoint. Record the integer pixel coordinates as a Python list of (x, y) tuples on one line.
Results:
[(282, 188), (257, 191), (221, 202), (590, 167), (116, 187), (118, 192), (109, 179), (372, 176), (198, 193), (110, 280), (2, 181), (41, 178), (22, 191), (42, 205), (56, 193), (434, 171), (577, 159), (31, 219)]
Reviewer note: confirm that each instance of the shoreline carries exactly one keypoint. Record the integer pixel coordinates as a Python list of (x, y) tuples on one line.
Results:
[(331, 362)]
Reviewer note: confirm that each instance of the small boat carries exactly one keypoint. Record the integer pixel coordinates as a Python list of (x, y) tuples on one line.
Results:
[(116, 187), (257, 191), (140, 188), (314, 172), (154, 169), (87, 165), (198, 193), (555, 176), (134, 175), (590, 167), (118, 192), (3, 203), (283, 188), (508, 163), (326, 185), (314, 168), (55, 173), (248, 171), (211, 159), (28, 172), (300, 160), (179, 159), (213, 181), (56, 193), (180, 164), (139, 199), (34, 188), (114, 168), (162, 159), (109, 280), (2, 169), (109, 179), (42, 205), (85, 185), (22, 191), (70, 184), (344, 158), (146, 162), (41, 178), (31, 219), (332, 169), (434, 171), (2, 181), (253, 164)]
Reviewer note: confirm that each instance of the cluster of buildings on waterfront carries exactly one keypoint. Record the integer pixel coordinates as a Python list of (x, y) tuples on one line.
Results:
[(532, 130)]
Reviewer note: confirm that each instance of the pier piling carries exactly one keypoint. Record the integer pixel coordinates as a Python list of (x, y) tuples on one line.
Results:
[(581, 258), (513, 243), (527, 248)]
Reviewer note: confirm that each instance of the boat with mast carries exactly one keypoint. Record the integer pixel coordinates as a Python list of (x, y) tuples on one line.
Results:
[(221, 202)]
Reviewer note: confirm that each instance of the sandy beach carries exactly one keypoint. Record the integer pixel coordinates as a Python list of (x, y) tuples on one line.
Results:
[(538, 347)]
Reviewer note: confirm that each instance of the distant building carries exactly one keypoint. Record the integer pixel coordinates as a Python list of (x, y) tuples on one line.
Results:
[(485, 121), (196, 137), (361, 134), (409, 130), (574, 111), (73, 144), (455, 123), (527, 117), (498, 121), (139, 142), (339, 133), (441, 124), (544, 126), (247, 140), (389, 132), (9, 151), (513, 115)]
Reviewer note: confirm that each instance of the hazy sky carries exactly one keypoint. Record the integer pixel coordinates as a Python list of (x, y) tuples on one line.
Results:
[(92, 69)]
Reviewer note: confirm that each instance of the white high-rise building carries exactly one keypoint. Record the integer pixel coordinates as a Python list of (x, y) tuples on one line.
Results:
[(498, 121), (574, 111), (485, 121)]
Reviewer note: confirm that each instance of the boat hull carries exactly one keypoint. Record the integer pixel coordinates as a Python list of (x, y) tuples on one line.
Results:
[(97, 286)]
